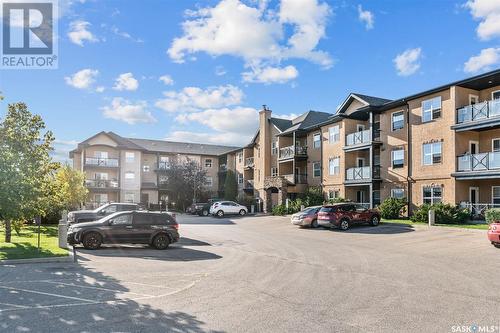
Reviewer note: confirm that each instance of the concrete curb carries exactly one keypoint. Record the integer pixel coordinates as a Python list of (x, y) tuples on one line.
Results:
[(66, 259), (435, 227)]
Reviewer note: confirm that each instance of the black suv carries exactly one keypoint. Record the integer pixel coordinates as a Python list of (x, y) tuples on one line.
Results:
[(79, 216), (137, 227)]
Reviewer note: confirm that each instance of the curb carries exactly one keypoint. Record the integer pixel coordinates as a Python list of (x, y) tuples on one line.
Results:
[(64, 259), (435, 227)]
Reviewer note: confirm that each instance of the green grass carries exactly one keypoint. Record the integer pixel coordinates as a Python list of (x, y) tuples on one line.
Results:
[(464, 226), (25, 245)]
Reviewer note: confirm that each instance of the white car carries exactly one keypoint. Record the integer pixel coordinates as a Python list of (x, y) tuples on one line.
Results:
[(222, 208)]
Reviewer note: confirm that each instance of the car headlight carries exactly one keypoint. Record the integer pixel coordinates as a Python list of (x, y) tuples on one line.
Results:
[(73, 229)]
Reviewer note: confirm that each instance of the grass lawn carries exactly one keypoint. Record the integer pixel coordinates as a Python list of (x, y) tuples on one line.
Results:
[(25, 245), (464, 226)]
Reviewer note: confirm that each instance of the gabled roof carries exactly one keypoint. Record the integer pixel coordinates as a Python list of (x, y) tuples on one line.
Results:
[(372, 100), (307, 121), (163, 146), (364, 99), (281, 124)]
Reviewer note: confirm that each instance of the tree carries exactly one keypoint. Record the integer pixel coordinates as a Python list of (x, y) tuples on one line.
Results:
[(24, 165), (230, 186)]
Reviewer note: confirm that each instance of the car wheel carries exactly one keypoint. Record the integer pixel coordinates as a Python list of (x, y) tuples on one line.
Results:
[(242, 212), (344, 225), (374, 221), (220, 213), (92, 241), (204, 213), (314, 224), (497, 245), (161, 242)]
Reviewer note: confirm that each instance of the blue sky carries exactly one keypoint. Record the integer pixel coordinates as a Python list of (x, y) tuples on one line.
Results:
[(200, 70)]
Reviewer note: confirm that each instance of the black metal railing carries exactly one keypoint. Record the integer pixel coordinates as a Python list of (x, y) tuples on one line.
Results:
[(102, 183), (289, 152)]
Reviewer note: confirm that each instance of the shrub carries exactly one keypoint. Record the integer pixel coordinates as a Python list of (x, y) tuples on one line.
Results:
[(279, 210), (391, 208), (17, 225), (445, 213), (336, 200), (492, 215), (313, 196)]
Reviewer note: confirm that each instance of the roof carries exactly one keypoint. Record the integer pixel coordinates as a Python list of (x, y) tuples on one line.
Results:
[(281, 124), (372, 100), (307, 121), (163, 146)]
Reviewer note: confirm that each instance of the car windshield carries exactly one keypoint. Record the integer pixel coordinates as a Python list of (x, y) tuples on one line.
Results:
[(309, 210), (328, 209), (98, 209)]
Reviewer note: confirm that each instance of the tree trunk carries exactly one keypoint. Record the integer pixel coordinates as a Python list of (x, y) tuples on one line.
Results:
[(8, 231)]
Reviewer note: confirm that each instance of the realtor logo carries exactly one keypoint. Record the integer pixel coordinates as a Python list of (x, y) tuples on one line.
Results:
[(29, 34)]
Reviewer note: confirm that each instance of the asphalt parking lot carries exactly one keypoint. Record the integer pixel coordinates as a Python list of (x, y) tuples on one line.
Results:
[(261, 274)]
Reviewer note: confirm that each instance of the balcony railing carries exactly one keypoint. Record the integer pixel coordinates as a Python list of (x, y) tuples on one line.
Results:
[(249, 162), (99, 161), (363, 173), (296, 179), (357, 138), (478, 162), (289, 152), (164, 165), (479, 111), (101, 183)]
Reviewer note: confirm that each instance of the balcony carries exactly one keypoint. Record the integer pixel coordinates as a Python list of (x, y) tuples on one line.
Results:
[(101, 184), (248, 185), (101, 162), (249, 162), (289, 152), (361, 139), (477, 116), (478, 166), (296, 179), (362, 174)]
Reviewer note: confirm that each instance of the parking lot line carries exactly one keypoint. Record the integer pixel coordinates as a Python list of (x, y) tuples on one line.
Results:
[(14, 305), (48, 294), (90, 287)]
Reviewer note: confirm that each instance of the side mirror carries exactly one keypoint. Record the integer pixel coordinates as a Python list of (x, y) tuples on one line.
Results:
[(110, 222)]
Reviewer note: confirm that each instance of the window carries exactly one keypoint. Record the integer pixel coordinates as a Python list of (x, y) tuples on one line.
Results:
[(125, 219), (129, 197), (398, 193), (316, 169), (495, 195), (101, 154), (240, 157), (334, 166), (495, 145), (333, 194), (432, 153), (398, 158), (101, 175), (208, 163), (210, 181), (333, 134), (129, 157), (109, 210), (101, 198), (240, 178), (317, 140), (129, 175), (432, 194), (274, 172), (274, 148), (398, 120), (431, 109), (495, 95), (146, 168)]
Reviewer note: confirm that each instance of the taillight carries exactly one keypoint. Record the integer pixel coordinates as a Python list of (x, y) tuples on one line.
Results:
[(175, 226)]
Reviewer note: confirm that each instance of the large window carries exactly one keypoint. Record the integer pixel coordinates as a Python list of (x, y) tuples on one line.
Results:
[(334, 134), (431, 109), (208, 163), (398, 158), (432, 153), (333, 194), (317, 140), (334, 166), (495, 195), (495, 145), (240, 178), (398, 120), (432, 194), (274, 172), (209, 181), (398, 193), (240, 157), (274, 148), (129, 157), (316, 169)]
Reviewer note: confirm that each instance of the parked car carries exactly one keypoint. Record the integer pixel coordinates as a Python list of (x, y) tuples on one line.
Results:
[(205, 209), (494, 233), (137, 227), (344, 215), (80, 216), (307, 218), (228, 208)]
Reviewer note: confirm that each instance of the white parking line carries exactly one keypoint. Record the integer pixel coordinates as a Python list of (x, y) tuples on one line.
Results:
[(90, 287), (48, 294)]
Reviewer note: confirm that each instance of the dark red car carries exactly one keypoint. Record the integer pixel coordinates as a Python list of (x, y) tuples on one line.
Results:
[(344, 215), (494, 233)]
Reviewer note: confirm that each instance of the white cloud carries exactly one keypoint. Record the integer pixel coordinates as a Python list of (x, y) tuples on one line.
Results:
[(166, 79), (100, 89), (192, 99), (231, 139), (83, 79), (269, 75), (61, 150), (220, 71), (125, 35), (126, 81), (408, 62), (488, 12), (237, 120), (79, 33), (366, 17), (290, 116), (126, 111), (256, 34), (483, 61)]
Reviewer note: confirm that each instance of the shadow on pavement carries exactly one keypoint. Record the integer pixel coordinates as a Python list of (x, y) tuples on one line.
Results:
[(207, 220), (99, 305), (191, 242)]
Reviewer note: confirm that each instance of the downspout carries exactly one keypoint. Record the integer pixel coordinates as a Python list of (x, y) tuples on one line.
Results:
[(410, 161)]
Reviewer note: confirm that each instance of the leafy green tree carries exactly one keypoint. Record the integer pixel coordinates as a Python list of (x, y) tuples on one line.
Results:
[(24, 165), (230, 186)]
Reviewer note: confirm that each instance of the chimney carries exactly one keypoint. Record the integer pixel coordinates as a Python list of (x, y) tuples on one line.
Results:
[(265, 139)]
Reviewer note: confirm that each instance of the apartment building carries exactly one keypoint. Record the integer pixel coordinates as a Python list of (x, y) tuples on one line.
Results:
[(134, 170)]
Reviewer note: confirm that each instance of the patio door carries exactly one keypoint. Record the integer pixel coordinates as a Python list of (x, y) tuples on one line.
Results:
[(473, 147), (360, 196), (474, 199)]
